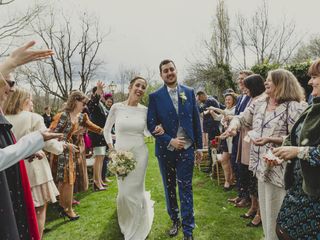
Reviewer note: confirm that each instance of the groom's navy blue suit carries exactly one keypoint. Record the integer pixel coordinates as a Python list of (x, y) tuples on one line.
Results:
[(176, 166)]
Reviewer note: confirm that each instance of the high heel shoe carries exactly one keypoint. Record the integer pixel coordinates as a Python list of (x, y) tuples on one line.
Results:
[(64, 214), (96, 188), (251, 224), (246, 215), (60, 209), (104, 185)]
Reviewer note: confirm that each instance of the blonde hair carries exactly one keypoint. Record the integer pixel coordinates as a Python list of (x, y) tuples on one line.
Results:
[(287, 87), (15, 101), (73, 98)]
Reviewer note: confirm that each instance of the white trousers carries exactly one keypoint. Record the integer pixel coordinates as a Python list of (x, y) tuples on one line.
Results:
[(270, 201)]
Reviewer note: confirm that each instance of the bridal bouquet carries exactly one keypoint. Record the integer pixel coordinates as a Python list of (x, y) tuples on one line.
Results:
[(121, 163)]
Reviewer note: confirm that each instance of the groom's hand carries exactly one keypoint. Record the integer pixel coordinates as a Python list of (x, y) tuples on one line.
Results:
[(178, 143)]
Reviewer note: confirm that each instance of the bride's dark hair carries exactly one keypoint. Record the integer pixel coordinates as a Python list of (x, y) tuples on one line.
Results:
[(132, 81)]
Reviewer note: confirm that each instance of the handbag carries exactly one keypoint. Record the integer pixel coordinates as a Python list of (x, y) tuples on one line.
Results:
[(87, 141)]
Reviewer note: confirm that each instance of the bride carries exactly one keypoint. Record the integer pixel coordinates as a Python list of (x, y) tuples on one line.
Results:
[(134, 206)]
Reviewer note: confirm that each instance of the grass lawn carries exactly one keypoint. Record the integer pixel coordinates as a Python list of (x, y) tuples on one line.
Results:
[(215, 217)]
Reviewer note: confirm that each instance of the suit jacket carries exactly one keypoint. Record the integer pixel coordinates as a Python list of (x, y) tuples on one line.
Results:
[(161, 111), (240, 106)]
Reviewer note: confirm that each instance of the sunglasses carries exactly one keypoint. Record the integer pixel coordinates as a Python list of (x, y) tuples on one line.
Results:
[(11, 83)]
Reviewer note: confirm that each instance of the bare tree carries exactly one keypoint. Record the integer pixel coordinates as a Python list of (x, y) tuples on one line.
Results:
[(4, 2), (308, 51), (241, 39), (219, 45), (268, 42), (89, 48), (14, 25), (123, 78), (75, 61)]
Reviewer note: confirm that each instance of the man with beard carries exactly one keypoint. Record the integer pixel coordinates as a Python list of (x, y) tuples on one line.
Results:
[(174, 107)]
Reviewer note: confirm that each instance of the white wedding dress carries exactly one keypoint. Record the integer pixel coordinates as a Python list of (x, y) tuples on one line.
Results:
[(134, 206)]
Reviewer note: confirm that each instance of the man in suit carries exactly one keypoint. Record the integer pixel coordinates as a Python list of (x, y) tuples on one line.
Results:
[(174, 107)]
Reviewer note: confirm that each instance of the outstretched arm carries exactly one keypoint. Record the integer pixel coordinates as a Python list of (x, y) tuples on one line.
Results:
[(26, 146), (23, 55)]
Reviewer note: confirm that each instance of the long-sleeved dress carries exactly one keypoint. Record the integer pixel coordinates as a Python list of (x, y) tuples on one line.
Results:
[(69, 165), (134, 206)]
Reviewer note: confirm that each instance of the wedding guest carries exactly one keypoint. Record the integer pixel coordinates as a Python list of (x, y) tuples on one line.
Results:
[(17, 215), (47, 116), (225, 116), (98, 115), (242, 199), (18, 109), (299, 216), (72, 123), (254, 88), (107, 100), (210, 125), (271, 119)]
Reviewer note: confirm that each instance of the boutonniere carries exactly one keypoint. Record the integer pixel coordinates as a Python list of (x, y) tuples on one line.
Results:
[(183, 97)]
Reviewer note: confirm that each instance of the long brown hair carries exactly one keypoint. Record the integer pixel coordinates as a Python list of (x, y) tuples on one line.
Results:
[(15, 101), (287, 86), (73, 98)]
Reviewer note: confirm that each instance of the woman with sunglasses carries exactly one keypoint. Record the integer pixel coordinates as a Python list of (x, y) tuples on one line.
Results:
[(72, 123)]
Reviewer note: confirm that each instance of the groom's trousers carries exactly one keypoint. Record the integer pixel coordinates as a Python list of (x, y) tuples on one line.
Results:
[(177, 167)]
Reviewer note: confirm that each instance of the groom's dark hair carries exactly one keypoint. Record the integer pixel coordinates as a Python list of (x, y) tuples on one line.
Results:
[(164, 62)]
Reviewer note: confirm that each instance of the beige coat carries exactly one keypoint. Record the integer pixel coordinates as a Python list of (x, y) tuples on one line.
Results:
[(39, 171)]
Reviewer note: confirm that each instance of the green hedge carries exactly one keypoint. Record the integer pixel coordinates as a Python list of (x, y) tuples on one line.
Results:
[(300, 70)]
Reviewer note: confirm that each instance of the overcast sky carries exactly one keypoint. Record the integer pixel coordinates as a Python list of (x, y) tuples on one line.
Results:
[(143, 32)]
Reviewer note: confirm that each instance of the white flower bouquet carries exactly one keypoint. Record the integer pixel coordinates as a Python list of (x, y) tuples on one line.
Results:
[(121, 163)]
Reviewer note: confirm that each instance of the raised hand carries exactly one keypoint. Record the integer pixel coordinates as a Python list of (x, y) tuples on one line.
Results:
[(100, 86), (23, 55)]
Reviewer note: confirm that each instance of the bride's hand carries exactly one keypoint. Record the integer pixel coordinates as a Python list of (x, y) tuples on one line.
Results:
[(158, 130)]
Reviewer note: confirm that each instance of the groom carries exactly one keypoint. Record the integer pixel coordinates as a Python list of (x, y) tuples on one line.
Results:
[(174, 107)]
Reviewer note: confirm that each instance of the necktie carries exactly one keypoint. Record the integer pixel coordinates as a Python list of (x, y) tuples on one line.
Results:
[(174, 98)]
